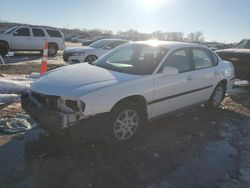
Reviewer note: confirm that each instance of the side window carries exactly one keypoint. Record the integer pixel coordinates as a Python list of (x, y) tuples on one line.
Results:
[(215, 58), (179, 60), (247, 46), (25, 32), (54, 33), (202, 58), (114, 44), (38, 33)]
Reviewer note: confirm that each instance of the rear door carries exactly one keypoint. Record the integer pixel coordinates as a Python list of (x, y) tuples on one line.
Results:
[(21, 39), (38, 38), (205, 72)]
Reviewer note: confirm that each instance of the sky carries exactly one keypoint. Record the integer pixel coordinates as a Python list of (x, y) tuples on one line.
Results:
[(219, 20)]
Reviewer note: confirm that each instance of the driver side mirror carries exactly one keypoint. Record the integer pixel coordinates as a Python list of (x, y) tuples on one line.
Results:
[(170, 71), (15, 33)]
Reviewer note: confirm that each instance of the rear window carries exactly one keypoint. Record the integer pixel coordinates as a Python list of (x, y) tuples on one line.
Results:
[(38, 33), (54, 33), (203, 58)]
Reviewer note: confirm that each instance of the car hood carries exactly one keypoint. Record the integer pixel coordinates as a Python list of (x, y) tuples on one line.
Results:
[(81, 49), (76, 80), (234, 50)]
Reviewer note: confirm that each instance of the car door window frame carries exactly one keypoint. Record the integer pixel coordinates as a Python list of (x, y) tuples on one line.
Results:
[(168, 55), (214, 58), (22, 35), (38, 29)]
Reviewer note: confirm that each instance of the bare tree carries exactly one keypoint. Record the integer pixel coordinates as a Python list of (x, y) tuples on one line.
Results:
[(196, 37), (174, 36)]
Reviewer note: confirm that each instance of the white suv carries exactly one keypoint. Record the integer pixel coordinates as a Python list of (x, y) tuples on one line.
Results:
[(92, 52), (29, 38), (131, 84)]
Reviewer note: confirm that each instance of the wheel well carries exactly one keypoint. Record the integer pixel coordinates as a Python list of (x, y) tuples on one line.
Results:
[(138, 99), (5, 43), (91, 55), (53, 44), (224, 82)]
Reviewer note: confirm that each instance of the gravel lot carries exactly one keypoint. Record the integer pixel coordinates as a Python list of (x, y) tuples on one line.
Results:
[(195, 148)]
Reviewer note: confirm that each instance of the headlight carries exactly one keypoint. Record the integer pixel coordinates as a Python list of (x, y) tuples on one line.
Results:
[(78, 53), (82, 106)]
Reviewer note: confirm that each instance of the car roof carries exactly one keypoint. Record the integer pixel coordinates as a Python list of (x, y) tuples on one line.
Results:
[(111, 39), (168, 44), (35, 26)]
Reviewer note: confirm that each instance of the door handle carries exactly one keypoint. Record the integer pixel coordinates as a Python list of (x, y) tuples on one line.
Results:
[(189, 78)]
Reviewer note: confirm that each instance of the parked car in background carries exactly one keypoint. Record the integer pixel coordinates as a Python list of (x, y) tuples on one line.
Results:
[(133, 83), (90, 41), (240, 57), (91, 53), (217, 46), (81, 39), (31, 38)]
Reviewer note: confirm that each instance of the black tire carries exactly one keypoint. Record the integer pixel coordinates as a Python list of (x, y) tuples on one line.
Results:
[(3, 50), (126, 130), (91, 58), (217, 96), (52, 49)]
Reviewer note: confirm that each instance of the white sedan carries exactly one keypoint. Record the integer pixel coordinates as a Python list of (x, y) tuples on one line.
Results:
[(131, 84), (92, 52)]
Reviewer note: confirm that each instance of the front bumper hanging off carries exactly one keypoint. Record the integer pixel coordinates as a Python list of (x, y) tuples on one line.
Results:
[(47, 118)]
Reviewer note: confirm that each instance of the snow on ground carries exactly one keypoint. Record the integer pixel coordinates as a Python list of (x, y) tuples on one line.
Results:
[(6, 99), (12, 87)]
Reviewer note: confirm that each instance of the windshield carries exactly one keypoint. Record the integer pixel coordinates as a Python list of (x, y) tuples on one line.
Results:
[(10, 30), (99, 44), (244, 44), (136, 59)]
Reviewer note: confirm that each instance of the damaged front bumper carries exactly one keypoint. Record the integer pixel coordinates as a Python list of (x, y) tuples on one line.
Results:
[(47, 118)]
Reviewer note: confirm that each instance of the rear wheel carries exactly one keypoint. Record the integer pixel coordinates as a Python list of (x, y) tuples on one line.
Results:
[(125, 123), (217, 96), (52, 50)]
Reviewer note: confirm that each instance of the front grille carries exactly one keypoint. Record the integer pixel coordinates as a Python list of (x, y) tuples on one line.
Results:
[(46, 100)]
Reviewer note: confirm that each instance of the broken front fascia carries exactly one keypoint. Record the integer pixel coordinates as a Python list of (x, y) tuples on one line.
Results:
[(67, 115)]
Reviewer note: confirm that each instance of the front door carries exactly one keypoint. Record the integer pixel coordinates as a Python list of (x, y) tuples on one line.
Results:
[(21, 39), (172, 92)]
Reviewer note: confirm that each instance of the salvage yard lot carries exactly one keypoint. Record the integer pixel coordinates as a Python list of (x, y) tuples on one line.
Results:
[(196, 148)]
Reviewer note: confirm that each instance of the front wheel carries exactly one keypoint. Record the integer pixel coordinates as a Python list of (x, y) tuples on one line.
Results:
[(4, 50), (217, 96), (125, 123), (91, 58)]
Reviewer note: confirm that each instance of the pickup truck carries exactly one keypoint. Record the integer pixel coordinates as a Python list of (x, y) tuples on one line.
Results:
[(240, 57), (31, 38)]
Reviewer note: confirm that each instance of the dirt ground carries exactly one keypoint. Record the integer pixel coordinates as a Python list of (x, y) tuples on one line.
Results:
[(193, 149)]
